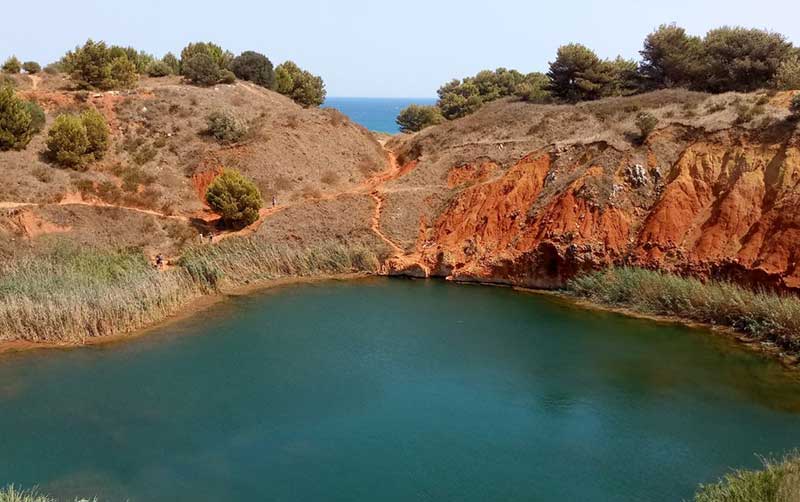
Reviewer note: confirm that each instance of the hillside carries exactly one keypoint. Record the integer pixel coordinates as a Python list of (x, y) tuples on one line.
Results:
[(148, 191), (533, 194)]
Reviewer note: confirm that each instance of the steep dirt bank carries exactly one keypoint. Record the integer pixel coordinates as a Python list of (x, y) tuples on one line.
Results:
[(721, 201)]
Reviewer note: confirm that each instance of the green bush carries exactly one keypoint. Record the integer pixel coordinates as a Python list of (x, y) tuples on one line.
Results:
[(170, 60), (19, 120), (794, 106), (303, 87), (96, 66), (159, 69), (417, 117), (37, 116), (740, 59), (225, 127), (788, 75), (31, 67), (200, 69), (577, 74), (646, 122), (671, 58), (459, 98), (778, 481), (235, 198), (53, 69), (218, 56), (534, 88), (227, 77), (12, 65), (75, 140), (254, 67)]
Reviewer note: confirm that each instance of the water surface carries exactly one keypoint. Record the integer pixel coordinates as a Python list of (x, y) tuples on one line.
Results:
[(376, 114), (393, 390)]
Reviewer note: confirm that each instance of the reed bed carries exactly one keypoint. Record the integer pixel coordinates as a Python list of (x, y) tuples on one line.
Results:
[(778, 481), (71, 295), (234, 262), (765, 315)]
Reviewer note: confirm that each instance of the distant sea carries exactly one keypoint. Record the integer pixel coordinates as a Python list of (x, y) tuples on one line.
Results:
[(376, 114)]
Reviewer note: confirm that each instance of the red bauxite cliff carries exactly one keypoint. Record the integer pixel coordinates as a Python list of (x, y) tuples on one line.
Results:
[(533, 195)]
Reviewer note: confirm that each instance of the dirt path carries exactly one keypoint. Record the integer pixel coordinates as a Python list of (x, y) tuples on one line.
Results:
[(376, 223)]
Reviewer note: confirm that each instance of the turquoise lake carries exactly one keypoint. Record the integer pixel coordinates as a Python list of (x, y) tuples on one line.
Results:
[(393, 390), (376, 114)]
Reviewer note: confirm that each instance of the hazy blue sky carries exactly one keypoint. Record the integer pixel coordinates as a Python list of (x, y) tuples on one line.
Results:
[(372, 48)]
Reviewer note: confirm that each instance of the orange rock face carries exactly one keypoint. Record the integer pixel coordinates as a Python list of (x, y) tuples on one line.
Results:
[(725, 205)]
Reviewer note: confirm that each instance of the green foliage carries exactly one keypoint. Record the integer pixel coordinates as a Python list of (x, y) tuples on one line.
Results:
[(227, 77), (417, 117), (75, 140), (97, 132), (788, 75), (159, 69), (794, 106), (226, 127), (200, 69), (671, 58), (31, 67), (96, 66), (646, 122), (534, 88), (765, 315), (53, 69), (19, 120), (459, 98), (300, 85), (37, 116), (778, 481), (218, 56), (254, 67), (170, 60), (235, 198), (577, 74), (740, 59), (12, 65)]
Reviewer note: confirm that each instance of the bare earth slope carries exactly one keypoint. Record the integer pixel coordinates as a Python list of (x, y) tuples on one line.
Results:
[(515, 193)]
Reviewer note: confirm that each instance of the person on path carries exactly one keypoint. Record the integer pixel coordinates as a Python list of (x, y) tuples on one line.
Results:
[(274, 200), (159, 261)]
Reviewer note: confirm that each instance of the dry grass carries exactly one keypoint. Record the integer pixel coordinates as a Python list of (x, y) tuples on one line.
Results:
[(765, 315), (72, 294), (778, 481), (12, 494)]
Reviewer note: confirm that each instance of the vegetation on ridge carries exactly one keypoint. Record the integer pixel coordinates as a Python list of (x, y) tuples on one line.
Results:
[(778, 481), (764, 315), (235, 198), (19, 120)]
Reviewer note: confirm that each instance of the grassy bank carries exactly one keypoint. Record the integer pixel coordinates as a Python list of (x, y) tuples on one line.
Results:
[(778, 481), (763, 315), (73, 294)]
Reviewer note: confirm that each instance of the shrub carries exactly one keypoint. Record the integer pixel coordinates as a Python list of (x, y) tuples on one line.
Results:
[(254, 67), (12, 65), (534, 88), (96, 66), (416, 118), (671, 58), (17, 121), (740, 59), (576, 74), (37, 116), (794, 106), (778, 481), (235, 198), (646, 122), (159, 69), (67, 141), (788, 75), (218, 56), (31, 67), (227, 77), (75, 140), (170, 60), (225, 127), (97, 132), (52, 69), (459, 98), (303, 87), (200, 69)]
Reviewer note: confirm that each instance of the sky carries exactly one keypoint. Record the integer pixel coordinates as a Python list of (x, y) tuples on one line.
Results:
[(372, 48)]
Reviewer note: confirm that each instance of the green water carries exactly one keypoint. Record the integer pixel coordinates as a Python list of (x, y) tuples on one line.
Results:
[(391, 390)]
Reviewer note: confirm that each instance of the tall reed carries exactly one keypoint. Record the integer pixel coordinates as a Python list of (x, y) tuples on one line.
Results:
[(766, 315), (778, 481)]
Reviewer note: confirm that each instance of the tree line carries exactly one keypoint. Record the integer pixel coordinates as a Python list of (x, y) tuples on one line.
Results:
[(725, 59), (98, 66)]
